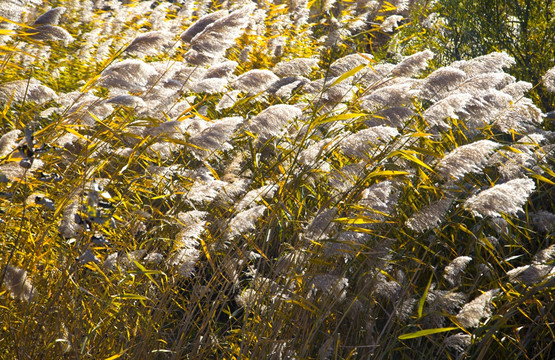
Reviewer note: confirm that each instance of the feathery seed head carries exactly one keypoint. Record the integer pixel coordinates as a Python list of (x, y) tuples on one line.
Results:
[(440, 82), (222, 70), (473, 312), (331, 285), (455, 269), (549, 80), (255, 81), (467, 158), (490, 63), (8, 142), (198, 26), (131, 74), (391, 22), (270, 121), (388, 96), (127, 100), (546, 255), (253, 196), (209, 86), (149, 43), (413, 64), (245, 221), (458, 342), (51, 33), (17, 283), (295, 67), (544, 221), (215, 136), (507, 198), (210, 44), (531, 274), (430, 216), (517, 89), (228, 100), (359, 144), (51, 17), (349, 62), (30, 90)]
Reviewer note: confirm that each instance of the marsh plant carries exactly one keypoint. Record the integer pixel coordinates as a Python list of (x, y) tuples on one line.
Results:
[(265, 180)]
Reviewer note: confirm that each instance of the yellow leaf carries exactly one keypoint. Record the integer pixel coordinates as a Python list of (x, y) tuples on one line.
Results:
[(542, 178), (15, 23), (406, 154), (387, 173), (70, 130), (423, 298), (131, 297), (205, 250), (89, 83), (341, 117), (357, 221), (425, 333), (116, 356), (348, 74)]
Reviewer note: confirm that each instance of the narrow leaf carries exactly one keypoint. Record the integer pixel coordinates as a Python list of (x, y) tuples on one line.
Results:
[(348, 74), (423, 298), (425, 333)]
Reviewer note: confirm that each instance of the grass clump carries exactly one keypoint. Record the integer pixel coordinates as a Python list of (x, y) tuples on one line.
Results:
[(241, 180)]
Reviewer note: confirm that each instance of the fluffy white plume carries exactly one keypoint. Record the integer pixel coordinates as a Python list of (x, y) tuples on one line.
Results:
[(210, 44), (479, 308), (255, 81), (132, 75), (51, 33), (149, 43), (494, 62), (504, 198), (455, 269), (26, 90), (531, 274), (198, 26), (270, 121), (256, 195), (449, 107), (228, 100), (349, 62), (209, 86), (467, 158), (388, 96), (127, 100), (390, 23), (17, 283), (428, 217), (549, 80), (440, 82), (222, 70), (51, 17), (295, 67), (245, 221), (8, 142), (360, 143), (523, 116), (413, 64), (215, 136)]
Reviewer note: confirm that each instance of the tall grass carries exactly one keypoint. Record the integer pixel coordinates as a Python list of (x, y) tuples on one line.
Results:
[(260, 180)]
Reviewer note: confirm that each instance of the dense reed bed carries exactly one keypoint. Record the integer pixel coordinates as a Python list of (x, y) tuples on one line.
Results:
[(266, 180)]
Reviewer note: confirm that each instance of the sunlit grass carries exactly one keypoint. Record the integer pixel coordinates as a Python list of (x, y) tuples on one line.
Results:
[(153, 226)]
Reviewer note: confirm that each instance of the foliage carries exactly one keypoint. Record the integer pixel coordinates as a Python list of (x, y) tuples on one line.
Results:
[(457, 30), (266, 180)]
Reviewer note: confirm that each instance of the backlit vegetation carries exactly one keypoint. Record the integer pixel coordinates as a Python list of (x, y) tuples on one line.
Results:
[(269, 180)]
